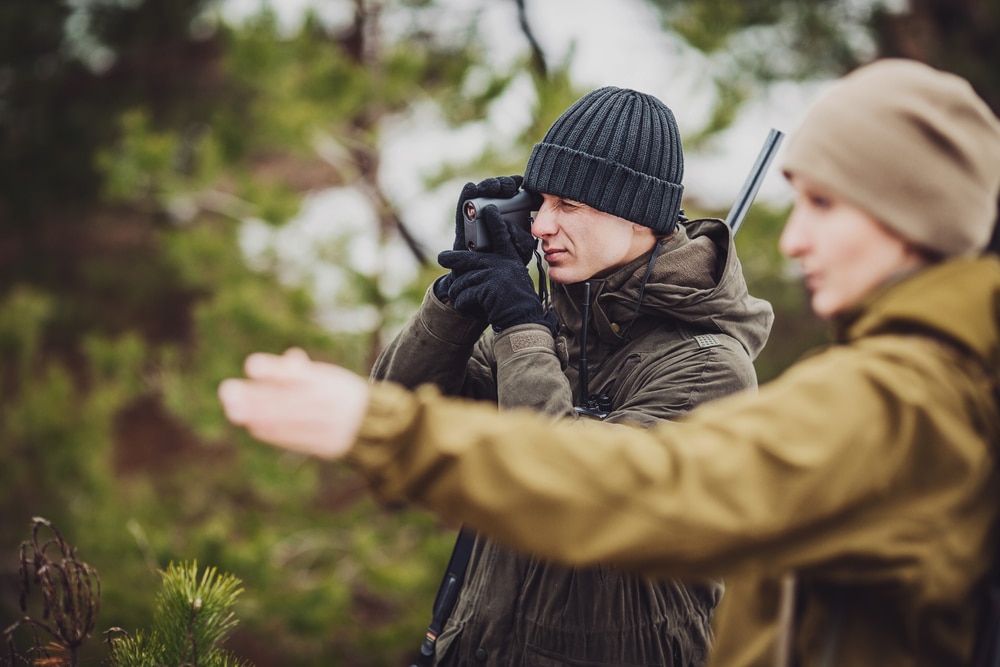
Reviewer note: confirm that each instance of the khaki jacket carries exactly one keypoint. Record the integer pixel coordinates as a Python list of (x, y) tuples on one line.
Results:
[(691, 338), (867, 469)]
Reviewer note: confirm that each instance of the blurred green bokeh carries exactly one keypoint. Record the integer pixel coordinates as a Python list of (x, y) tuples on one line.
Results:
[(138, 137)]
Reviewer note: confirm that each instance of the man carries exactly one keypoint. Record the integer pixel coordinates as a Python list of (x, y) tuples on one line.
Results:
[(670, 325), (867, 473)]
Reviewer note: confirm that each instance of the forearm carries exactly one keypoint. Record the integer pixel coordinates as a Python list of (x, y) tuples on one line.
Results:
[(529, 374), (706, 496), (564, 491), (434, 347)]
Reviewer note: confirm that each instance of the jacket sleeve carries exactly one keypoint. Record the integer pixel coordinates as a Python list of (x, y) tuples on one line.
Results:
[(529, 374), (436, 346), (814, 467), (653, 387)]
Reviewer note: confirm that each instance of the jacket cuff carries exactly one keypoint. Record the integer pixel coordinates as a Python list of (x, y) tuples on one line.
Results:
[(522, 338), (385, 429), (447, 324)]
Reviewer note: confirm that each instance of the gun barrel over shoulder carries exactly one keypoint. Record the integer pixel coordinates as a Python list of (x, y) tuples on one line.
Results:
[(749, 190)]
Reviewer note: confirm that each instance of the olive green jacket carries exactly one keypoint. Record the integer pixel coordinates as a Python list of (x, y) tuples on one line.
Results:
[(691, 338), (868, 469)]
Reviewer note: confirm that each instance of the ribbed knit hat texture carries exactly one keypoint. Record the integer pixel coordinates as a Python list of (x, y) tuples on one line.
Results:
[(618, 151), (913, 146)]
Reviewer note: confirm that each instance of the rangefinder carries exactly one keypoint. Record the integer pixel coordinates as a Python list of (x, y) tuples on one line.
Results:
[(515, 210)]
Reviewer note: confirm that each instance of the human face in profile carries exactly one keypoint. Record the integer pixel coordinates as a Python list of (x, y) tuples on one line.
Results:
[(844, 253), (580, 242)]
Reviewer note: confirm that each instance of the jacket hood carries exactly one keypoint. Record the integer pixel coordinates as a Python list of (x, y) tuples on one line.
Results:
[(696, 282), (926, 301)]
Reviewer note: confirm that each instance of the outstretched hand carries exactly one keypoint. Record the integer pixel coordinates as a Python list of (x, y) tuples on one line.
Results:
[(296, 403)]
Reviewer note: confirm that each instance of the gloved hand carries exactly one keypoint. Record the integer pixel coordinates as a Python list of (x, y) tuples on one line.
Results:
[(498, 187), (496, 283)]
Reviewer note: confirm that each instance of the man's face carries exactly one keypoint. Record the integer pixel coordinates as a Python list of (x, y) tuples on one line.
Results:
[(580, 242), (844, 253)]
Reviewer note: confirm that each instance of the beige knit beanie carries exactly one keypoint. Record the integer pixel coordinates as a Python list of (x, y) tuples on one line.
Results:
[(915, 147)]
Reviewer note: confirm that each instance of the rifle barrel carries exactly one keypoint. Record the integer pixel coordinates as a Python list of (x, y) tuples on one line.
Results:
[(746, 196)]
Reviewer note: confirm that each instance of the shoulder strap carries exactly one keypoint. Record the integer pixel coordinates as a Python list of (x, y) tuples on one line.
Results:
[(447, 595), (788, 618)]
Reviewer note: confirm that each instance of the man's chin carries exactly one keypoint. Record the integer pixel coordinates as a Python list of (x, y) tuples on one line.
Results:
[(564, 277)]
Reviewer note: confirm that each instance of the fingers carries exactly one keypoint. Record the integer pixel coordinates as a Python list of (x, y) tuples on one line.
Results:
[(290, 416), (232, 395), (499, 186), (469, 190), (488, 187), (463, 261), (292, 402), (507, 186), (296, 353), (264, 366), (466, 292), (467, 281), (509, 239), (524, 242), (497, 228), (468, 302), (238, 396)]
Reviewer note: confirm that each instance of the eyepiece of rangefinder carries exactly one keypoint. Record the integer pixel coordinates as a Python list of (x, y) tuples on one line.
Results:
[(515, 210)]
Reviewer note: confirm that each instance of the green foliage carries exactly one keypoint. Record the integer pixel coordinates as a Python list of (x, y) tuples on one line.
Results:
[(143, 159), (49, 432), (707, 25), (133, 147), (553, 94), (192, 620), (60, 602), (757, 42), (68, 71), (125, 299), (787, 38)]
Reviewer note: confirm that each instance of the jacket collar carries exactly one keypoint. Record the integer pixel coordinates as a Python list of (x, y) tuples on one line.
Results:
[(958, 299), (696, 282)]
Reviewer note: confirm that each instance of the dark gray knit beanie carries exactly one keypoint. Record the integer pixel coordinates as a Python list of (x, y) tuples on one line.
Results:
[(618, 151)]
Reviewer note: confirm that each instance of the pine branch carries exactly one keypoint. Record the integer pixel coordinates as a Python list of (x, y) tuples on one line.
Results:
[(192, 619)]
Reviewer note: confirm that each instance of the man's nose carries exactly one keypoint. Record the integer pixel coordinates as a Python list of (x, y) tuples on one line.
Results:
[(544, 222)]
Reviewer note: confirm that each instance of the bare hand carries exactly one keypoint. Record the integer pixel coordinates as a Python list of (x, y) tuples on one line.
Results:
[(296, 403)]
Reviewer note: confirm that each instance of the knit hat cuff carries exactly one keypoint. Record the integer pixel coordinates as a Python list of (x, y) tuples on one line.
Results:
[(605, 185)]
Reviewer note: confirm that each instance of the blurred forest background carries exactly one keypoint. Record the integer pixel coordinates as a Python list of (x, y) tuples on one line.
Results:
[(143, 142)]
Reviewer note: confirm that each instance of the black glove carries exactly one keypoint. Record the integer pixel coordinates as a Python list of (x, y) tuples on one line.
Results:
[(498, 187), (495, 283)]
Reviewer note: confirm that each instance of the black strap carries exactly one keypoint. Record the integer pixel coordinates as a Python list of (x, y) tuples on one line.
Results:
[(988, 634), (987, 653), (447, 595), (988, 642)]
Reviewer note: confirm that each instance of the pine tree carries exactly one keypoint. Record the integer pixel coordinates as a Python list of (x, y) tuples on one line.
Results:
[(193, 618)]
